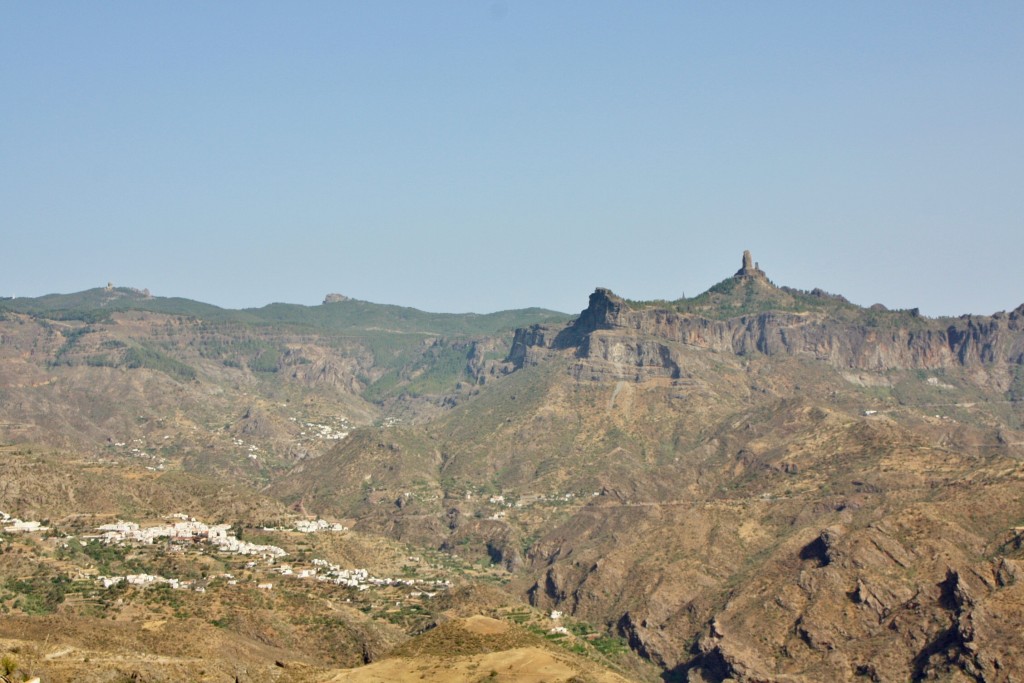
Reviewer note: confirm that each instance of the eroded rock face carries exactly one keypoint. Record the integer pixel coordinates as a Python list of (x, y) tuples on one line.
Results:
[(529, 343), (615, 341), (887, 627)]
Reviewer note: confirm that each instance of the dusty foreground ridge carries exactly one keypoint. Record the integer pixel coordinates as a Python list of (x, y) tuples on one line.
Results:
[(474, 649)]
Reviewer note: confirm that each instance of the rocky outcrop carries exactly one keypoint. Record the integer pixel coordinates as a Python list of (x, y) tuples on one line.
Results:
[(255, 423), (479, 367), (749, 268), (529, 343)]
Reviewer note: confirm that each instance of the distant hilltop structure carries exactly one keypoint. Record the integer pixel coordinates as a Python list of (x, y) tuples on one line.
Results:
[(749, 268), (335, 298), (119, 291)]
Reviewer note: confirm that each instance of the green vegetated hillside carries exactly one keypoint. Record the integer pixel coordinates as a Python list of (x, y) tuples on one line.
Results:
[(116, 365), (256, 338), (339, 315), (755, 484)]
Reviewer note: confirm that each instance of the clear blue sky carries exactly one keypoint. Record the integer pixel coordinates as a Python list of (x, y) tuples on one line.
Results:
[(478, 156)]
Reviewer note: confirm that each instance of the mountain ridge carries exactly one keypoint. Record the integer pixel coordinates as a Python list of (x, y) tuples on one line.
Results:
[(98, 303), (742, 315)]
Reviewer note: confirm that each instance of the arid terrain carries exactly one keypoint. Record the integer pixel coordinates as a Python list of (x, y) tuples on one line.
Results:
[(755, 484)]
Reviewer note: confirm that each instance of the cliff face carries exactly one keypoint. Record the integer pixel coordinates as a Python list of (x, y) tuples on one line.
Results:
[(611, 338)]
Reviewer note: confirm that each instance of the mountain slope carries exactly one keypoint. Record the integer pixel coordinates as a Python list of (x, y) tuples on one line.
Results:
[(739, 496)]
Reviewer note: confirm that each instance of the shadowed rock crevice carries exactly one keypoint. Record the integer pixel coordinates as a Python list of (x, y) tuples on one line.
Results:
[(940, 654), (821, 550)]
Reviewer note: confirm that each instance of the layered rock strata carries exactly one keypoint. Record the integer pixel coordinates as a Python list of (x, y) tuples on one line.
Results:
[(613, 338)]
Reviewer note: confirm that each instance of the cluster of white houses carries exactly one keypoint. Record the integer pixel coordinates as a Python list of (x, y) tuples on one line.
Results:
[(311, 526), (142, 580), (185, 529), (360, 579), (218, 535), (322, 570), (188, 529), (17, 525), (321, 431)]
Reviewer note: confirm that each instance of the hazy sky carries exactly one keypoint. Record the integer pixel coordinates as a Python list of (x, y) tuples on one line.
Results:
[(478, 156)]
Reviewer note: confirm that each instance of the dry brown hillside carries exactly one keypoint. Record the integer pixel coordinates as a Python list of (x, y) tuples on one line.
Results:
[(755, 484)]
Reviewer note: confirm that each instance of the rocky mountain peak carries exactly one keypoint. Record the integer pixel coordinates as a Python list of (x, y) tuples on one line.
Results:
[(603, 307), (749, 269)]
